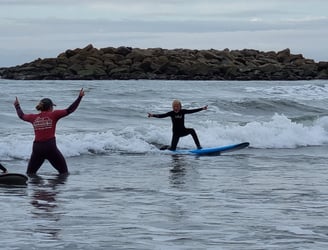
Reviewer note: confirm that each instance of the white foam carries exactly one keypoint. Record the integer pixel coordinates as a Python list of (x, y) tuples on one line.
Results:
[(278, 132)]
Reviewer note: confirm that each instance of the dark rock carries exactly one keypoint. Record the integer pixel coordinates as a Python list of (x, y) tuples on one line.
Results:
[(123, 50), (177, 64)]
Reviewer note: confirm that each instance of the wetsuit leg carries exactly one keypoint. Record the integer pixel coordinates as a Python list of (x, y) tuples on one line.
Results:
[(46, 150), (194, 136), (3, 168), (174, 142), (58, 161), (192, 132), (36, 159), (56, 158)]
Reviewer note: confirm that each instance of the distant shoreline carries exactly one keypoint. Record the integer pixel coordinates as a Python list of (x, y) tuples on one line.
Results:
[(126, 63)]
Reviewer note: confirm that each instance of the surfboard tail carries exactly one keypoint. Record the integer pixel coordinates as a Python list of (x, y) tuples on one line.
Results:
[(13, 179)]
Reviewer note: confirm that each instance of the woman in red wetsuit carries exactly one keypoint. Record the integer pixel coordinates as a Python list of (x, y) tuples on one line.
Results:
[(178, 127), (44, 124)]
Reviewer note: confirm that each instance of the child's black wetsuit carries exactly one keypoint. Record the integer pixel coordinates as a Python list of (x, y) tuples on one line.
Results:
[(178, 127)]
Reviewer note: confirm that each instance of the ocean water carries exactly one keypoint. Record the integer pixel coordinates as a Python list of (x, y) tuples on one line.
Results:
[(124, 193)]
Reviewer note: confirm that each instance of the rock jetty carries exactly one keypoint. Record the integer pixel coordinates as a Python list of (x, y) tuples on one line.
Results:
[(125, 63)]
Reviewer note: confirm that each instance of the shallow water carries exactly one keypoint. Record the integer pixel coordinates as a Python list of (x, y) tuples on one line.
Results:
[(123, 193)]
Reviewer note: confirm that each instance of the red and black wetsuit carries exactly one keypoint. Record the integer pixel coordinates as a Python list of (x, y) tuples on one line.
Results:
[(178, 127), (44, 145)]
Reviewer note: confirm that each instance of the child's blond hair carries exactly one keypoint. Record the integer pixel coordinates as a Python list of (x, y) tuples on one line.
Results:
[(176, 102)]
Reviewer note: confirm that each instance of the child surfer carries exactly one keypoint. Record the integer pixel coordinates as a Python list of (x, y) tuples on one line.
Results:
[(178, 127)]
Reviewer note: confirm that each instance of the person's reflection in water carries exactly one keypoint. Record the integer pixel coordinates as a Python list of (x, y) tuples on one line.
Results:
[(177, 170), (45, 203)]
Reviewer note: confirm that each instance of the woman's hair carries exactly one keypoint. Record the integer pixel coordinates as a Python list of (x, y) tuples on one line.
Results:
[(45, 104)]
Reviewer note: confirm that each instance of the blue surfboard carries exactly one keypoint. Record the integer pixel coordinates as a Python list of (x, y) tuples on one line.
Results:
[(212, 151)]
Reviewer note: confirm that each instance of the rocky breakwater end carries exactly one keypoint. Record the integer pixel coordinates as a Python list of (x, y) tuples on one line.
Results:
[(125, 63)]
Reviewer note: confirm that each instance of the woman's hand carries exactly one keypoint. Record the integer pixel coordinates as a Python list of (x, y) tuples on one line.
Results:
[(81, 94), (16, 103)]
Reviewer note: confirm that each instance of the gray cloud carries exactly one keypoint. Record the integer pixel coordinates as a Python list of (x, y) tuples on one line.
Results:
[(44, 28), (41, 27)]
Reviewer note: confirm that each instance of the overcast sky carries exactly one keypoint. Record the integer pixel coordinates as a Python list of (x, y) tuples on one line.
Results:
[(32, 29)]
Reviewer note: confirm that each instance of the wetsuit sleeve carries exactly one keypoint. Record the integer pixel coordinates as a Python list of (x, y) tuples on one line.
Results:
[(74, 105), (24, 117), (162, 115), (190, 111), (19, 111)]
